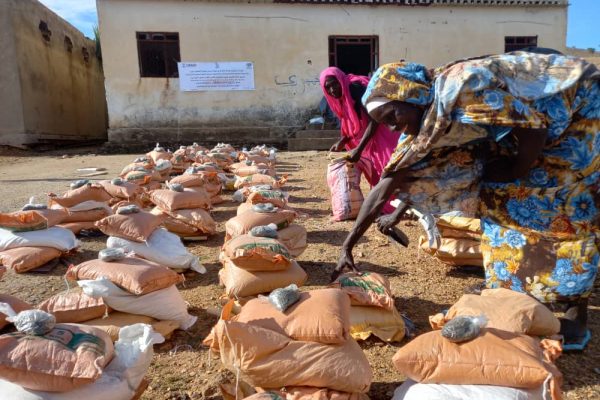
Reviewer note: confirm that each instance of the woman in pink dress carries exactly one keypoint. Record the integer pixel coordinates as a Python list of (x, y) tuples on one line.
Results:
[(367, 141)]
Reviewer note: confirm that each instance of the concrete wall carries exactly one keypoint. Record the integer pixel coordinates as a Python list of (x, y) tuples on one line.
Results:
[(60, 95), (11, 104), (288, 44)]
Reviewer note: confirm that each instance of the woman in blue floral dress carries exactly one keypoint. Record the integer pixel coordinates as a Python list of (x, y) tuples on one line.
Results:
[(534, 120)]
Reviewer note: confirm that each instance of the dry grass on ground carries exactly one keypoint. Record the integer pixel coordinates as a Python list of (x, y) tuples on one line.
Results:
[(182, 368)]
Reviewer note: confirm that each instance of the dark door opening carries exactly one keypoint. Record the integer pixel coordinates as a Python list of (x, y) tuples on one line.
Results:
[(357, 55)]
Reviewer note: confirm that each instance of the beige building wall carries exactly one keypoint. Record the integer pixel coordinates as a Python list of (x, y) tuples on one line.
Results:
[(288, 44), (11, 105), (59, 94)]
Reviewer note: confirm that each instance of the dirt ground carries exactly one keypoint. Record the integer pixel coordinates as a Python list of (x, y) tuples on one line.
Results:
[(182, 368)]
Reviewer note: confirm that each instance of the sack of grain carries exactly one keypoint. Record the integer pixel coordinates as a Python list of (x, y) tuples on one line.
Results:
[(74, 306), (16, 304), (134, 275), (164, 304), (260, 179), (55, 237), (273, 360), (241, 283), (275, 197), (321, 315), (23, 221), (365, 321), (169, 200), (257, 253), (244, 222), (411, 390), (136, 227), (23, 259), (506, 310), (120, 379), (67, 357), (366, 289), (294, 239), (124, 190), (343, 179), (163, 248), (116, 320), (495, 357), (90, 192)]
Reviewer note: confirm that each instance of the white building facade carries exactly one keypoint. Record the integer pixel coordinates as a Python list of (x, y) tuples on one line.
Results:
[(288, 43)]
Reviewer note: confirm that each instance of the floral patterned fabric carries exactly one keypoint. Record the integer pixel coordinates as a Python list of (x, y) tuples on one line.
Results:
[(540, 233)]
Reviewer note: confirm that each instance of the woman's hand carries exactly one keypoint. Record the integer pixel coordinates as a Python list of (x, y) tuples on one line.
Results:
[(346, 261), (337, 147), (354, 156), (386, 222)]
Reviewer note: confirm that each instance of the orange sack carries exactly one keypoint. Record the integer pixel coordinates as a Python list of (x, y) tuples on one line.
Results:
[(319, 316), (23, 221), (74, 306), (271, 360), (366, 289), (23, 259), (135, 275), (506, 310), (15, 303), (257, 253), (136, 227), (241, 283), (67, 357), (495, 357)]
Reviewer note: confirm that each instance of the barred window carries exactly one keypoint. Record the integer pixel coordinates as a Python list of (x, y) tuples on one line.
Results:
[(514, 43), (158, 54)]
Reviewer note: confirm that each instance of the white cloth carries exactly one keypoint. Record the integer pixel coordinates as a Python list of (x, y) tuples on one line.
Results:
[(376, 103)]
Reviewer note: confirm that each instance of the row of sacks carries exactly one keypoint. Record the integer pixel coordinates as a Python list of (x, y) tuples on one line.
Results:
[(116, 290), (308, 345), (495, 346)]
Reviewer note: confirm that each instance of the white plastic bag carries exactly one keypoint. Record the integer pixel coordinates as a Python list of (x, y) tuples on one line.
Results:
[(411, 390), (120, 379), (164, 304), (56, 237), (162, 247)]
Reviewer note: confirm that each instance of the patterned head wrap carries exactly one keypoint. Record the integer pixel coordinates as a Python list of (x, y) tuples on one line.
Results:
[(400, 81)]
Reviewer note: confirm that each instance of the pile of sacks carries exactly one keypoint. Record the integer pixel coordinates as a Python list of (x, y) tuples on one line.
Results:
[(129, 285), (85, 203), (261, 243), (46, 360), (305, 348), (30, 239), (484, 347), (460, 238), (373, 311)]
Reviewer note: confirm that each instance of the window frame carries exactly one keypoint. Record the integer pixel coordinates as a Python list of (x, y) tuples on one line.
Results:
[(169, 73), (528, 41), (372, 40)]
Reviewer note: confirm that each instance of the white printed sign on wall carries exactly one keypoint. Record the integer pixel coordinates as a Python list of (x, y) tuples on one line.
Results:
[(210, 76)]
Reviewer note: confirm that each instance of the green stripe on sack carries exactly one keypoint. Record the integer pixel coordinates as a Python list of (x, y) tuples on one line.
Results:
[(365, 285), (26, 228), (272, 247)]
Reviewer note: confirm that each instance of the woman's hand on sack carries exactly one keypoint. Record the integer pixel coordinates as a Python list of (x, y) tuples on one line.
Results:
[(354, 157), (346, 261), (386, 222)]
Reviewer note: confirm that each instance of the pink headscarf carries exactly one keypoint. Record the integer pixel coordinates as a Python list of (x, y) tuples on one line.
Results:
[(353, 125)]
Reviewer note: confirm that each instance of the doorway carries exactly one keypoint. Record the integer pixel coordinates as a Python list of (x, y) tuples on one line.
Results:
[(357, 55)]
